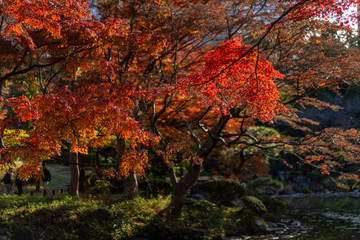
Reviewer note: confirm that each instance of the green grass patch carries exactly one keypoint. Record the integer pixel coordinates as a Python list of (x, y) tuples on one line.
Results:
[(114, 217), (58, 175)]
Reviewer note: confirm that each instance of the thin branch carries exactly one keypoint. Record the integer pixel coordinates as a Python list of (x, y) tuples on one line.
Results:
[(255, 45)]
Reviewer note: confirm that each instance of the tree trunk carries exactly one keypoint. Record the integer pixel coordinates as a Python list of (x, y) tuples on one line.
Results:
[(130, 185), (37, 185), (179, 192), (131, 188), (74, 170), (75, 173), (2, 144), (181, 187)]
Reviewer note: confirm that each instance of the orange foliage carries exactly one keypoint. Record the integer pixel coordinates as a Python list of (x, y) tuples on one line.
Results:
[(107, 73), (85, 117), (226, 82)]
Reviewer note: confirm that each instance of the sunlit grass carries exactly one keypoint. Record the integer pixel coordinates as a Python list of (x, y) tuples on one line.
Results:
[(59, 178)]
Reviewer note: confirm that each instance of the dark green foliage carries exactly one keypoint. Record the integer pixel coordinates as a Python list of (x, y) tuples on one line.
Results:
[(201, 219), (100, 188), (221, 192), (316, 176), (154, 186), (206, 213), (264, 185), (255, 205), (276, 207), (249, 223)]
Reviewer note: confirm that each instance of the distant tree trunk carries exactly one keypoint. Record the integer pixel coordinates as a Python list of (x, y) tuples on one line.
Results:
[(130, 184), (74, 170), (37, 185), (75, 174), (131, 187), (2, 144), (97, 160)]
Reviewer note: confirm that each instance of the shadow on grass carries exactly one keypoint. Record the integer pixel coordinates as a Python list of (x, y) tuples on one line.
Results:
[(67, 218), (56, 218)]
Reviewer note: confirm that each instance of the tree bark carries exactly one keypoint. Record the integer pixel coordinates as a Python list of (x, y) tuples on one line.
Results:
[(37, 185), (179, 192), (74, 170), (181, 187), (131, 187), (75, 174)]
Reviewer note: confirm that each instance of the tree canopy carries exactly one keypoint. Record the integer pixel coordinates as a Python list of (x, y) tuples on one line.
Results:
[(172, 80)]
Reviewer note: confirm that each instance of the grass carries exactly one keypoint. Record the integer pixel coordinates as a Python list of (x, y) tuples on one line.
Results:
[(112, 217), (68, 218), (72, 218), (59, 178)]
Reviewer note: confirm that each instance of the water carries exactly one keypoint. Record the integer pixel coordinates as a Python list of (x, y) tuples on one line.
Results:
[(322, 218)]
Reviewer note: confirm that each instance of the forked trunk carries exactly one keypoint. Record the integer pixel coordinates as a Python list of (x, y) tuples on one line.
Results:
[(179, 192), (181, 187)]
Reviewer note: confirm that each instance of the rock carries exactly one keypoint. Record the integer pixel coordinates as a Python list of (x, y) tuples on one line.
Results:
[(23, 233), (258, 226), (197, 197), (271, 225), (297, 225), (238, 203), (281, 225), (275, 228)]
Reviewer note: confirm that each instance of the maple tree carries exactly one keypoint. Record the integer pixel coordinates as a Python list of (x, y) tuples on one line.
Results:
[(36, 35), (316, 58), (190, 73), (50, 42)]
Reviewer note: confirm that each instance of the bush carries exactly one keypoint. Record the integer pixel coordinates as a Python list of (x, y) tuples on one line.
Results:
[(275, 206), (264, 185), (255, 205), (202, 214), (221, 192), (100, 188)]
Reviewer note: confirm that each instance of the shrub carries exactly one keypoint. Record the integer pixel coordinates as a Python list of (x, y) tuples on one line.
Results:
[(221, 191), (264, 185), (202, 214), (275, 206), (100, 188), (255, 205)]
